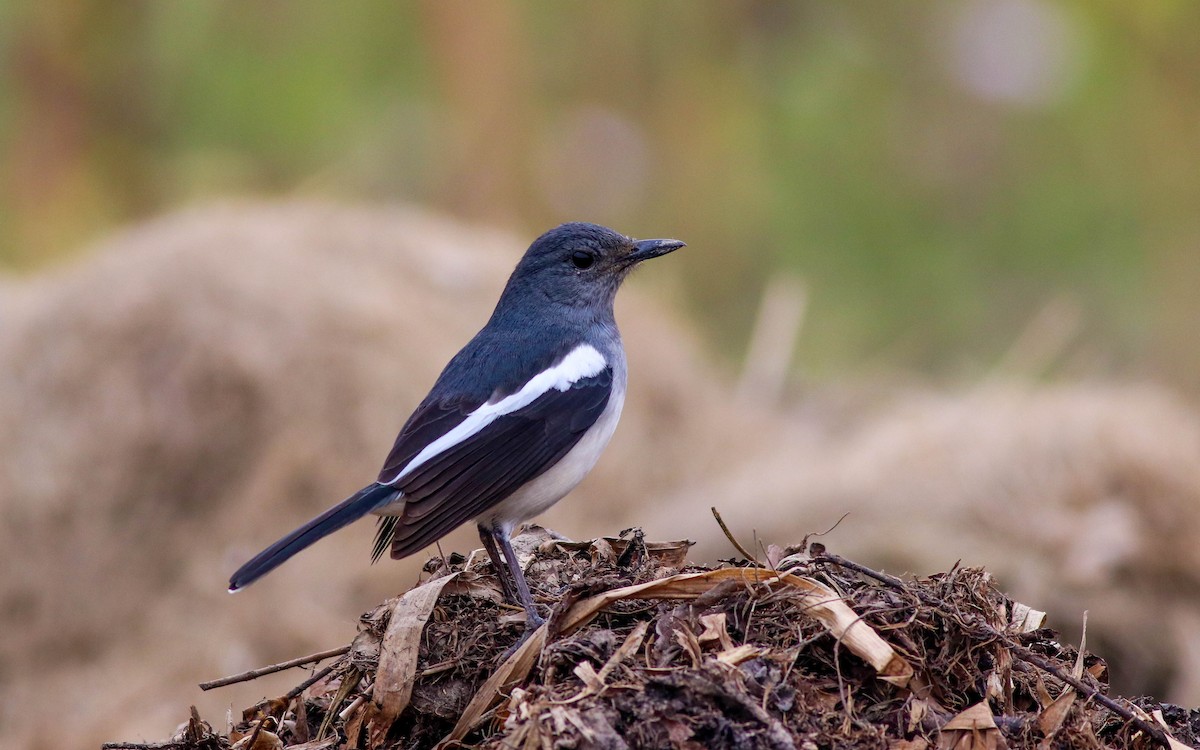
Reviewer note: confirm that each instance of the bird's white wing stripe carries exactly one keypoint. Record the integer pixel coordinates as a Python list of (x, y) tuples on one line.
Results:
[(584, 361)]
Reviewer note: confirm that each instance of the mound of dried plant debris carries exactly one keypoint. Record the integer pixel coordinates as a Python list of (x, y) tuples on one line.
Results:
[(791, 648)]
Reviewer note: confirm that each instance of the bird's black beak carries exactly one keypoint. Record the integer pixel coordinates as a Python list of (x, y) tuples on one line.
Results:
[(646, 249)]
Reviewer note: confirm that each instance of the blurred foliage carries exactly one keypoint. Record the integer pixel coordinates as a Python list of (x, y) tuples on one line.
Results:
[(936, 172)]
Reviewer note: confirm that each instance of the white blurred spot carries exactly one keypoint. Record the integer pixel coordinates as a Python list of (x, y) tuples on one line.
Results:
[(1024, 52), (594, 164)]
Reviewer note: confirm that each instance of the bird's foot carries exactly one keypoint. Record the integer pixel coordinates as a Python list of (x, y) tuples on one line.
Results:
[(533, 621)]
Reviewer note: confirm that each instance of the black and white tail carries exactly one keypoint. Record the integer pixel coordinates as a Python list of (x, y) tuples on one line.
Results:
[(351, 509)]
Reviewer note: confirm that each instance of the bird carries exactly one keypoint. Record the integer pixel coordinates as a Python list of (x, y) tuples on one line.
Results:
[(514, 421)]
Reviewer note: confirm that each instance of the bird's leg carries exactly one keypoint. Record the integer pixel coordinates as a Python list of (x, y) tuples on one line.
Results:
[(489, 544), (532, 618)]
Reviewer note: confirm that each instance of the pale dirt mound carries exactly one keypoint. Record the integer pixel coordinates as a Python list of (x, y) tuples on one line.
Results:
[(644, 650)]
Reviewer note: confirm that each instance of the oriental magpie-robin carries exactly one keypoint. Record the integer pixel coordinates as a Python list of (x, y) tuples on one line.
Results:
[(515, 420)]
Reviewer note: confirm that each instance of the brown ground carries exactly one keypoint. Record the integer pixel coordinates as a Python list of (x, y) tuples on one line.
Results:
[(181, 395)]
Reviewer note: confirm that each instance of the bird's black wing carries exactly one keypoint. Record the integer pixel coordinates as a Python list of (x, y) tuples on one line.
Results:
[(432, 419), (484, 468)]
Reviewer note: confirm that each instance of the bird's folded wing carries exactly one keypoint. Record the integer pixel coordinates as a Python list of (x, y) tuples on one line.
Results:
[(476, 465)]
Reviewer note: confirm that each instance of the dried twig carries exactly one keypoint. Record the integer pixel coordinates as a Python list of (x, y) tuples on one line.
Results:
[(171, 745), (981, 629), (729, 535), (317, 676), (254, 674)]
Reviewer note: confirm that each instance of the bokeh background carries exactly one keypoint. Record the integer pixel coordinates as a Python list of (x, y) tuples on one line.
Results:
[(935, 172), (942, 273)]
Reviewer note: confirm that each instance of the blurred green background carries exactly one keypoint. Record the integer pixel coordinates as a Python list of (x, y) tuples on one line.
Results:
[(941, 175)]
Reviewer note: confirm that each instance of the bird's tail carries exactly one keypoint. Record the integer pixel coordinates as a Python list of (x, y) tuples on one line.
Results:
[(351, 509)]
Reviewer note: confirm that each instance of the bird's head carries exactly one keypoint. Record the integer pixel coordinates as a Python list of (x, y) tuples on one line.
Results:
[(582, 265)]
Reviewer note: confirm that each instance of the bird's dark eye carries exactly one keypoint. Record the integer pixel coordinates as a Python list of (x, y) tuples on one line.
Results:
[(582, 259)]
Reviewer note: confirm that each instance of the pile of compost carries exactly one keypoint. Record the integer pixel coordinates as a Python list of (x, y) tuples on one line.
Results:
[(784, 648)]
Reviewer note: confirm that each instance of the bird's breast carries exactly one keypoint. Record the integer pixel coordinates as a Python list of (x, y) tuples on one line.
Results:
[(547, 488)]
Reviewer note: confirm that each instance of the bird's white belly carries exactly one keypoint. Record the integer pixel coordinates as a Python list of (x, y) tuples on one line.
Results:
[(552, 485)]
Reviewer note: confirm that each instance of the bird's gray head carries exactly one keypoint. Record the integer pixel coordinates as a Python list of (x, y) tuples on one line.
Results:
[(580, 265)]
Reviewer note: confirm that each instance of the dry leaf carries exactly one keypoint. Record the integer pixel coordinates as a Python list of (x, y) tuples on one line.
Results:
[(264, 741), (1025, 619), (398, 655), (687, 641), (1042, 695), (587, 675), (324, 744), (996, 685), (669, 554), (628, 647), (978, 716), (1077, 671), (739, 654), (602, 551), (1052, 718), (1162, 722), (355, 724), (475, 586), (665, 554), (972, 729), (917, 710), (715, 630)]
